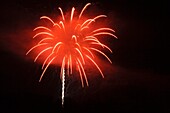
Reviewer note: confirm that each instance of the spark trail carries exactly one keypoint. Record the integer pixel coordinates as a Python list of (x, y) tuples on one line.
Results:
[(70, 43)]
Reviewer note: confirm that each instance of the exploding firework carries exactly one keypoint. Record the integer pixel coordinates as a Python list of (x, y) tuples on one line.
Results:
[(70, 42)]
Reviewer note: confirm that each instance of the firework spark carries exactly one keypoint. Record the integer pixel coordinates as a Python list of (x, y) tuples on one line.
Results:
[(71, 42)]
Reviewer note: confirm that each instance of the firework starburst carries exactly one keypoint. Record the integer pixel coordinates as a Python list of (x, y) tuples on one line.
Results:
[(70, 42)]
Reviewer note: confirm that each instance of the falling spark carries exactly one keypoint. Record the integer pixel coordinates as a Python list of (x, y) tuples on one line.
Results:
[(67, 40)]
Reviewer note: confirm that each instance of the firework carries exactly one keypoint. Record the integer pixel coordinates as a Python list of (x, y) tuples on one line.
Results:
[(70, 42)]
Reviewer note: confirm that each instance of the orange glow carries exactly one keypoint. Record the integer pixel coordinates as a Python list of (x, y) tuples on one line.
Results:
[(70, 42)]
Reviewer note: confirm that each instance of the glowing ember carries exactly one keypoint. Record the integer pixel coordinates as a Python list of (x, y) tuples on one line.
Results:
[(70, 42)]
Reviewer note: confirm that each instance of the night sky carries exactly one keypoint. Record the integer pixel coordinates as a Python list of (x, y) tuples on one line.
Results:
[(138, 81)]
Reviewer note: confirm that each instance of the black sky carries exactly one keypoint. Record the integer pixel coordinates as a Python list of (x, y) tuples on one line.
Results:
[(137, 82)]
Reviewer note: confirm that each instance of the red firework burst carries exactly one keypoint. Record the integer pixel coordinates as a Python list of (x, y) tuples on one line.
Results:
[(70, 42)]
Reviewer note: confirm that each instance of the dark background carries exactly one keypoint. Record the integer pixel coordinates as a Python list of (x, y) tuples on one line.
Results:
[(137, 82)]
